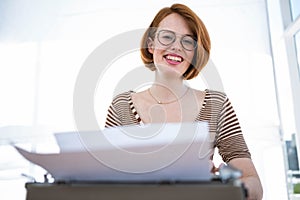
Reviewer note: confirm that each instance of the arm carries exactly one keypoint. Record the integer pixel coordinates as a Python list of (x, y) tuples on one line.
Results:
[(250, 177), (234, 150)]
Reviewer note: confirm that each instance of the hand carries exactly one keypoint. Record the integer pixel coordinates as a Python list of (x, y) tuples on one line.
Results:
[(215, 169)]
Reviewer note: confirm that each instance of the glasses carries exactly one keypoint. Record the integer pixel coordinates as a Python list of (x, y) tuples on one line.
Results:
[(166, 38)]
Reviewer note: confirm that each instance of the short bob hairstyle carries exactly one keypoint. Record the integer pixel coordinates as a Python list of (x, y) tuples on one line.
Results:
[(198, 30)]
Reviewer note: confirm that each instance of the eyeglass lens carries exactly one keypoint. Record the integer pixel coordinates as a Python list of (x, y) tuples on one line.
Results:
[(166, 37)]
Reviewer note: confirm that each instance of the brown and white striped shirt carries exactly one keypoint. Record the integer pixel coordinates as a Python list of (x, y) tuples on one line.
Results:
[(216, 110)]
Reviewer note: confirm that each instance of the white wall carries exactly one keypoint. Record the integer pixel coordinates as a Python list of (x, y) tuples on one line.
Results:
[(44, 45)]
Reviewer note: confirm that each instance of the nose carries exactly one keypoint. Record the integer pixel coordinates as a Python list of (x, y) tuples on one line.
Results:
[(176, 44)]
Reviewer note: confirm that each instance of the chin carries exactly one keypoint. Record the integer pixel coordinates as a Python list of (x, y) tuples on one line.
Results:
[(171, 73), (170, 70)]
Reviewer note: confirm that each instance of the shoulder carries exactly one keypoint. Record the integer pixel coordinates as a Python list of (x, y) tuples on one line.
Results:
[(211, 94), (216, 96), (122, 97)]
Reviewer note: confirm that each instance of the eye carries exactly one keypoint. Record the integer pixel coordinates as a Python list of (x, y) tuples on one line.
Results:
[(188, 41), (167, 37)]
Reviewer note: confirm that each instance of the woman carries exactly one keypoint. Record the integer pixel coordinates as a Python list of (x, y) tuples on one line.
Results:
[(176, 46)]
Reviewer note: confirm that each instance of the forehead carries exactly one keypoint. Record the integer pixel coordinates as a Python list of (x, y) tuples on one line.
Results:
[(176, 23)]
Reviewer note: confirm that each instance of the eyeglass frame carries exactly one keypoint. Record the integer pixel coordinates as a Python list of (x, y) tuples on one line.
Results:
[(174, 40)]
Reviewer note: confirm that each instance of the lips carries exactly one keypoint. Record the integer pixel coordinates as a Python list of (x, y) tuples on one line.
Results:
[(173, 59)]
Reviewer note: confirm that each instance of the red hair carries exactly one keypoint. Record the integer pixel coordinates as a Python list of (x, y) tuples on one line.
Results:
[(198, 30)]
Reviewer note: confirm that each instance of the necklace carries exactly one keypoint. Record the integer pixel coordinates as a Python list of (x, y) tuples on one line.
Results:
[(169, 102)]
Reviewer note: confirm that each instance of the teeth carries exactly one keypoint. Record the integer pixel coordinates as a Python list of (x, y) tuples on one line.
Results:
[(175, 58)]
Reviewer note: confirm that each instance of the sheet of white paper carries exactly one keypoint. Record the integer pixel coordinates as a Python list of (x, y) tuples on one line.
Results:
[(158, 152)]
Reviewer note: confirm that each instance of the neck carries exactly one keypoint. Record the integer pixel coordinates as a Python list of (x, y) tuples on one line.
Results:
[(172, 82), (168, 89)]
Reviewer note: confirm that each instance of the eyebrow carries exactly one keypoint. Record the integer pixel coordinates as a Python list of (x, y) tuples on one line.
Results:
[(158, 30)]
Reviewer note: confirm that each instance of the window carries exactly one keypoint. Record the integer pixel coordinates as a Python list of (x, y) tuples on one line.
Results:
[(297, 44), (295, 8)]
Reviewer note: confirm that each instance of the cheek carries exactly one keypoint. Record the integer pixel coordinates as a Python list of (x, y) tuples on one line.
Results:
[(157, 54), (189, 57)]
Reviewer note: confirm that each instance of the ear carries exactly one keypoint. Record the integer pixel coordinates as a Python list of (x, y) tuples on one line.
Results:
[(150, 45)]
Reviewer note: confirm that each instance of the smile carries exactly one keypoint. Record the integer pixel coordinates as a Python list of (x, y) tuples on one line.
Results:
[(173, 58)]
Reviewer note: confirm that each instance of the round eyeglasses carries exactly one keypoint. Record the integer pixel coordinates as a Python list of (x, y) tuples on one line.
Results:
[(167, 37)]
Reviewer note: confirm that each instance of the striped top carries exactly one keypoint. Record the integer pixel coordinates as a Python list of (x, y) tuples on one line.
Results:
[(216, 110)]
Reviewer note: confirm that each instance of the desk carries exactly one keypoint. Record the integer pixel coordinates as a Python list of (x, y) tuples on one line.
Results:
[(134, 191)]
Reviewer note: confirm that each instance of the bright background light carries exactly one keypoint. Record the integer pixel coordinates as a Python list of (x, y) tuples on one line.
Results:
[(43, 45)]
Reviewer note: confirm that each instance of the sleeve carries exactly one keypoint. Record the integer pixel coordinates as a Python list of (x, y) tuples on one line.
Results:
[(230, 140), (112, 118)]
